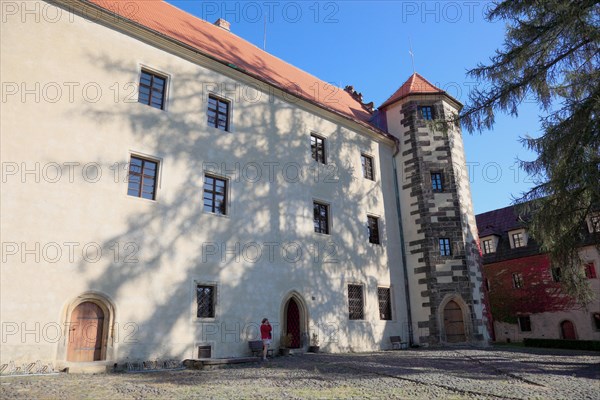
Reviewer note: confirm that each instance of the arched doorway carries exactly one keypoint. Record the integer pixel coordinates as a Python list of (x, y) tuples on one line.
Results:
[(567, 330), (86, 333), (292, 323), (454, 325)]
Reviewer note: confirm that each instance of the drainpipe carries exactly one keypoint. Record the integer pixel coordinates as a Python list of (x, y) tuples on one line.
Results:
[(404, 266)]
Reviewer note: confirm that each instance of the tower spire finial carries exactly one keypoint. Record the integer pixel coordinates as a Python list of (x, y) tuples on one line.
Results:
[(412, 56)]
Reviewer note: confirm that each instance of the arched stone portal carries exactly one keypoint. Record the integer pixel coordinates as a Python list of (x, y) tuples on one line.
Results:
[(88, 321), (454, 319), (295, 320)]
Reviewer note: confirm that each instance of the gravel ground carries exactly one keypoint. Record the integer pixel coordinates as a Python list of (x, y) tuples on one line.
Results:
[(458, 373)]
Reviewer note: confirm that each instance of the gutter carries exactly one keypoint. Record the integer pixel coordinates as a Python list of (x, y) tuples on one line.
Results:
[(403, 248)]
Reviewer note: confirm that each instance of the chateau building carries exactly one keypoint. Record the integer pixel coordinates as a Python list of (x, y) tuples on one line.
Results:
[(166, 185), (525, 295)]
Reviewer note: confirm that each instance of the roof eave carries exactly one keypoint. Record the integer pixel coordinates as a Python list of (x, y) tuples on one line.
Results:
[(228, 64), (457, 103)]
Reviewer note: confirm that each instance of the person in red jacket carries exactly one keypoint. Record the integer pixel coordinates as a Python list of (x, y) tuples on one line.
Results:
[(265, 335)]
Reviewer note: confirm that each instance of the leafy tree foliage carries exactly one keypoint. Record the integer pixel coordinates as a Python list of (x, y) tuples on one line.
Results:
[(551, 53)]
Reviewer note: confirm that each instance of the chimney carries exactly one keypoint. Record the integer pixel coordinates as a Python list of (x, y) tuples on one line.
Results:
[(221, 23)]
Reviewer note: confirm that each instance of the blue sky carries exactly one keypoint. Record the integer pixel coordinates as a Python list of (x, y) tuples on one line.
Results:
[(366, 44)]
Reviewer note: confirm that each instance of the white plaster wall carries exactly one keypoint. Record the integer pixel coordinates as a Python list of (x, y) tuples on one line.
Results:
[(409, 222), (469, 225), (167, 245)]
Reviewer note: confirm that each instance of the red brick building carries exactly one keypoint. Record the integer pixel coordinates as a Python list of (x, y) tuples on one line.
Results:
[(524, 289)]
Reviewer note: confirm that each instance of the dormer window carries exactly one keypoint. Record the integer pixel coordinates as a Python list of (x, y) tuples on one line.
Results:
[(489, 244), (594, 223), (518, 238)]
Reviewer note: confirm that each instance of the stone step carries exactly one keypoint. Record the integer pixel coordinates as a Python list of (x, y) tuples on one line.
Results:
[(95, 367)]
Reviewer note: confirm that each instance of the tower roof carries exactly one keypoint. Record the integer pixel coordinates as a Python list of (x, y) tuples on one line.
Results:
[(416, 84)]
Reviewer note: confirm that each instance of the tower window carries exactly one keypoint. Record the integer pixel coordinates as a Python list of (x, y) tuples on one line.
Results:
[(426, 112)]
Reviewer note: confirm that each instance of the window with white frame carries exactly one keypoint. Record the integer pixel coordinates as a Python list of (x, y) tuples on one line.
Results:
[(152, 89), (321, 217), (215, 195), (488, 246), (218, 113), (317, 148), (518, 238), (142, 177)]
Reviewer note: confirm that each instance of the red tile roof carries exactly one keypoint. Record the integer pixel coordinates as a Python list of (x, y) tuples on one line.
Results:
[(416, 84), (231, 50)]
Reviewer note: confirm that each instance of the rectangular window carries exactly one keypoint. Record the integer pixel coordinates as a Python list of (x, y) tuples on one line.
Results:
[(218, 113), (385, 303), (517, 280), (518, 239), (215, 195), (596, 320), (525, 323), (590, 271), (205, 298), (595, 223), (152, 90), (204, 351), (556, 274), (373, 226), (317, 146), (445, 249), (426, 112), (355, 302), (321, 217), (487, 284), (437, 183), (142, 178), (367, 166), (488, 246)]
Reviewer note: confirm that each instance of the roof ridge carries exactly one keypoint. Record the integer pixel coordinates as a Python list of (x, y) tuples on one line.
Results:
[(412, 86), (427, 81), (247, 41)]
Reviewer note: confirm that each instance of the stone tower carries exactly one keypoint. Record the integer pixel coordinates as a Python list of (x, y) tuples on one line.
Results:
[(443, 263)]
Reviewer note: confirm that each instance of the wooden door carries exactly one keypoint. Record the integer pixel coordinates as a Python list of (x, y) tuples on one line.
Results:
[(293, 323), (568, 330), (454, 324), (85, 333)]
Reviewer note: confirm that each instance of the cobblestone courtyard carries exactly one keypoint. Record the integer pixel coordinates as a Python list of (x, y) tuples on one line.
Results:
[(409, 374)]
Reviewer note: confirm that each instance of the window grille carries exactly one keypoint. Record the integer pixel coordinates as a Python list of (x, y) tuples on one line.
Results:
[(355, 302), (205, 297), (385, 303)]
